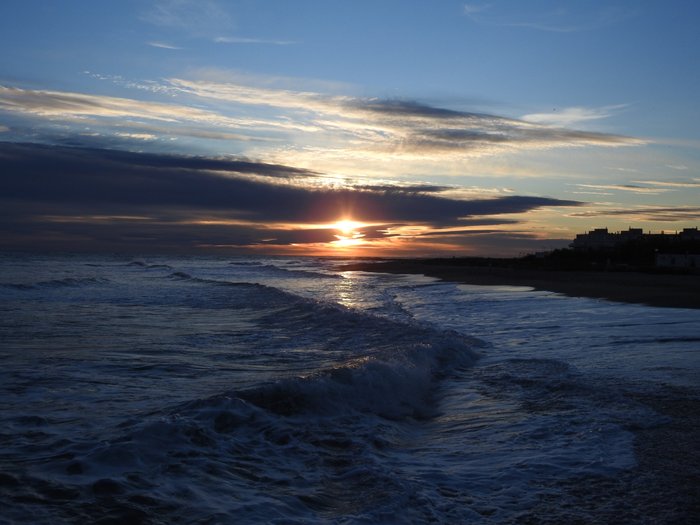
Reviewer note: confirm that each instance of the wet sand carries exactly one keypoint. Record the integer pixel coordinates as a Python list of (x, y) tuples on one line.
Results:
[(663, 488), (667, 290)]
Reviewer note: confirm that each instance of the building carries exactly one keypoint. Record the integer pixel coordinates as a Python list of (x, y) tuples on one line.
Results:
[(602, 238), (689, 234)]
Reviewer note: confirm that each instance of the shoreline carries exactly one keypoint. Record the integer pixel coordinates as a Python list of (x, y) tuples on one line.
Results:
[(663, 290), (662, 486)]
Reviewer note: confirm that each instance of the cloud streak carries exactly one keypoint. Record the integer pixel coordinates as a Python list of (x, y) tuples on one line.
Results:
[(67, 104), (569, 18), (695, 183), (573, 116), (124, 113), (163, 45), (647, 213), (633, 188), (243, 40)]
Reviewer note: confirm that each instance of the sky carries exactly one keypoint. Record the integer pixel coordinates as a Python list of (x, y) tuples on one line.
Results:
[(363, 128)]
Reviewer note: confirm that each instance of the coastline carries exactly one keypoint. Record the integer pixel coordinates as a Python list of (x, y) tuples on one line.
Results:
[(664, 290)]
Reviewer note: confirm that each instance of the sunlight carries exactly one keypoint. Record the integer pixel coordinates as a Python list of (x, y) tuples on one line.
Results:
[(345, 242), (348, 235), (347, 227)]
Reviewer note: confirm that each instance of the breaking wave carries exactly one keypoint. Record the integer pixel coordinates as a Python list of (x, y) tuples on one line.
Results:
[(71, 282)]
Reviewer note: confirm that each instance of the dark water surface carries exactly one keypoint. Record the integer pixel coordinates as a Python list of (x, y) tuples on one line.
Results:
[(273, 390)]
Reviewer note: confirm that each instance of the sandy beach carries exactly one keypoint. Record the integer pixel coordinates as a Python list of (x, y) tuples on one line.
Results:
[(667, 290)]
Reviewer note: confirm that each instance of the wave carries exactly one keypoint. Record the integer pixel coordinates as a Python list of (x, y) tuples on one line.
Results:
[(284, 272), (181, 276), (142, 264), (649, 340), (72, 282), (159, 267), (184, 276), (394, 386), (246, 263), (273, 270)]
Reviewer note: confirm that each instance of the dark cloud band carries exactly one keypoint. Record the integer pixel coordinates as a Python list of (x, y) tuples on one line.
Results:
[(50, 181)]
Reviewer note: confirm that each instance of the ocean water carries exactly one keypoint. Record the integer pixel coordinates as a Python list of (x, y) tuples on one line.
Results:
[(277, 390)]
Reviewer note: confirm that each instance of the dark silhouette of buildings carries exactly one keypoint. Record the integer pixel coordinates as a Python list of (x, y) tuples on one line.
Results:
[(601, 238), (634, 248)]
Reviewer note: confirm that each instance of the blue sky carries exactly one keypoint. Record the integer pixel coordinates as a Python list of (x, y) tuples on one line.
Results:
[(583, 113)]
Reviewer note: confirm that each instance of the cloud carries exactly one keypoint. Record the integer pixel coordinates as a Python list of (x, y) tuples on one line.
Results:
[(402, 126), (61, 189), (313, 126), (260, 96), (67, 104), (671, 184), (623, 170), (573, 116), (114, 161), (624, 187), (564, 18), (480, 241), (242, 40), (406, 109), (117, 112), (473, 9), (410, 188), (136, 136), (590, 193), (198, 18), (647, 213), (103, 177), (163, 45)]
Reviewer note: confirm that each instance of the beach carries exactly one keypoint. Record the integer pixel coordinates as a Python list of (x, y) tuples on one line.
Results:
[(665, 290)]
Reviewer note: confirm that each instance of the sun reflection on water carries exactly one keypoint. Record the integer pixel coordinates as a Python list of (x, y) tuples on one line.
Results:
[(346, 290)]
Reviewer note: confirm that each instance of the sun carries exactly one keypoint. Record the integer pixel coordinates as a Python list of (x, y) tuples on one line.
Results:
[(348, 233), (346, 226)]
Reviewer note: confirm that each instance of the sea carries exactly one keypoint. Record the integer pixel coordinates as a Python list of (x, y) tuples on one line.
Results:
[(235, 390)]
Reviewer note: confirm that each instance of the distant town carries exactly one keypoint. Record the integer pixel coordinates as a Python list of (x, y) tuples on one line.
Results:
[(602, 238), (634, 247)]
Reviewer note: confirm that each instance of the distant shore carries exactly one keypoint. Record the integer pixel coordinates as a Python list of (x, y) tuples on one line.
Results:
[(666, 290)]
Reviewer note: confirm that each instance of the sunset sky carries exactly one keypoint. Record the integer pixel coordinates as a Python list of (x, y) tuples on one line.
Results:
[(384, 127)]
